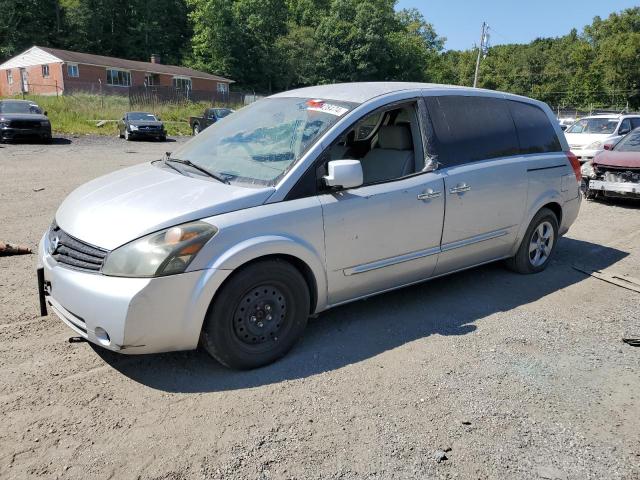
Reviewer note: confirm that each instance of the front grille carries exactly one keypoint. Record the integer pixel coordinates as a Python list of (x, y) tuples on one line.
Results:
[(149, 127), (25, 124), (70, 251)]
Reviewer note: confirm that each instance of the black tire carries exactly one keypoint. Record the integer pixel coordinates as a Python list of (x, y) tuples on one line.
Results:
[(127, 137), (257, 316), (523, 262), (163, 138), (196, 129)]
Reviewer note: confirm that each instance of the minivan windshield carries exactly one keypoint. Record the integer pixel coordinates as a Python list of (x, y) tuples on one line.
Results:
[(19, 107), (259, 143), (630, 143), (594, 125)]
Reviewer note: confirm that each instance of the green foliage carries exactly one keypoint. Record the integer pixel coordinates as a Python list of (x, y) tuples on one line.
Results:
[(273, 45), (599, 68), (79, 114)]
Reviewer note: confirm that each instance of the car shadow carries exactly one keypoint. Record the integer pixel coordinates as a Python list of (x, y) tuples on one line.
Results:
[(452, 305)]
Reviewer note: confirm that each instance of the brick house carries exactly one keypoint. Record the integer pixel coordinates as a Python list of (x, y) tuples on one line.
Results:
[(50, 71)]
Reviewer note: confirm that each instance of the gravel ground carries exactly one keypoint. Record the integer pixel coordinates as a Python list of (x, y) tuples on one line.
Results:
[(510, 376)]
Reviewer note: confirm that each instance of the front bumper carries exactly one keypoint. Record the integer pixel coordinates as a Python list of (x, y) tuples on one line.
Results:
[(623, 189), (585, 155), (10, 133), (147, 134), (139, 315)]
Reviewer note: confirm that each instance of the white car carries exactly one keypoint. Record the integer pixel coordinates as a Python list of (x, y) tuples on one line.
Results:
[(589, 135)]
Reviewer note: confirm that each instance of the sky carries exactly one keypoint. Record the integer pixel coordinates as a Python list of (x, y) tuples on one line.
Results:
[(511, 21)]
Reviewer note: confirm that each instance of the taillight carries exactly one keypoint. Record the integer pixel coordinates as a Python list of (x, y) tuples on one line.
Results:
[(575, 164)]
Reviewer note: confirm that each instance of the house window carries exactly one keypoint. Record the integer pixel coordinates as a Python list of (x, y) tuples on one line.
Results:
[(9, 77), (150, 79), (223, 88), (118, 78), (45, 71), (72, 70), (182, 83)]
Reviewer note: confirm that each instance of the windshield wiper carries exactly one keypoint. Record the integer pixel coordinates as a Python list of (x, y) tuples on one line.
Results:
[(189, 163)]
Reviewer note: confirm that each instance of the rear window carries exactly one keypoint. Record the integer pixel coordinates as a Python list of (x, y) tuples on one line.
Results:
[(470, 129), (535, 132)]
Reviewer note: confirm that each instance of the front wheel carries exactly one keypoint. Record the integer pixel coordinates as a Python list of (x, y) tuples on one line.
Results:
[(126, 135), (257, 316), (196, 129), (538, 244)]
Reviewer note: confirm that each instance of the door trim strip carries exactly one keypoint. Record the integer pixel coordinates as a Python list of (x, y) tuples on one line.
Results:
[(477, 239), (545, 168), (387, 262), (407, 257)]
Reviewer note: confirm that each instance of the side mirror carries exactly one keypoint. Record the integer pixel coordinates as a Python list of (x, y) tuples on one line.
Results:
[(159, 119), (608, 146), (344, 173), (45, 113)]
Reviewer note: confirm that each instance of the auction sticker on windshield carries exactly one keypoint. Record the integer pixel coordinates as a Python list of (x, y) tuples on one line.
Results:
[(321, 106)]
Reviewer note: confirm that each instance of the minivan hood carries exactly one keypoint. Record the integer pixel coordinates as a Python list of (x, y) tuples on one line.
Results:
[(119, 207), (581, 140)]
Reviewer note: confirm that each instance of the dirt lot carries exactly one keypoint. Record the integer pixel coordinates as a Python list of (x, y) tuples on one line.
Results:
[(521, 377)]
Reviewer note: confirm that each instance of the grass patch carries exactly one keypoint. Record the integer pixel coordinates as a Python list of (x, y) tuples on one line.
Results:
[(78, 114)]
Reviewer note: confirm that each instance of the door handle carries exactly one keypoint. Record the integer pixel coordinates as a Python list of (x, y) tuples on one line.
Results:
[(460, 188), (428, 195)]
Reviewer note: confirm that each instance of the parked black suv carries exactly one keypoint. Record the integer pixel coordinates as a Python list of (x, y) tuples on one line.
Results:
[(23, 119)]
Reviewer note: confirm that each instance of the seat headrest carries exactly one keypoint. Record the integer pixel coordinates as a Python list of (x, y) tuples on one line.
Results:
[(395, 137)]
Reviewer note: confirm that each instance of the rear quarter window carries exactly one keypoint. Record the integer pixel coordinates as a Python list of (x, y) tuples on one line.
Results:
[(535, 132), (470, 129)]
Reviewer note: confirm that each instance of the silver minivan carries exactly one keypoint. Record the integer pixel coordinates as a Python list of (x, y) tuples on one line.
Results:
[(302, 201)]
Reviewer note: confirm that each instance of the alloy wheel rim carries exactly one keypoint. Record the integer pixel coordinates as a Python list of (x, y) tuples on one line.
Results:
[(541, 244), (260, 317)]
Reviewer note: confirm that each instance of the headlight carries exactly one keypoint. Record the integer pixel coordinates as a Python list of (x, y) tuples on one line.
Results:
[(133, 128), (595, 146), (44, 123), (162, 253), (587, 170)]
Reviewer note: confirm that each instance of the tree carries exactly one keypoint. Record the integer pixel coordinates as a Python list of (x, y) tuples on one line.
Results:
[(26, 23)]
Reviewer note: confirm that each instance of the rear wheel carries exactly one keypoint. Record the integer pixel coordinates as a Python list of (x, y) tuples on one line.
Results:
[(538, 244), (257, 316)]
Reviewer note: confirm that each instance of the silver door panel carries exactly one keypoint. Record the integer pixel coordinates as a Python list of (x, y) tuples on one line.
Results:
[(485, 204), (380, 236)]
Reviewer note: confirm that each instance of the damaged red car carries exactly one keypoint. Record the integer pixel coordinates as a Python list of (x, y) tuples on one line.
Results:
[(615, 172)]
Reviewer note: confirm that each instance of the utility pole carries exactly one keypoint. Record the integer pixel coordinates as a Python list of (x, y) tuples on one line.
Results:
[(484, 38)]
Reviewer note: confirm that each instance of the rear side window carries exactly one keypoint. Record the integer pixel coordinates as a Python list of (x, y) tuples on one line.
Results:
[(535, 132), (635, 123), (470, 129)]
